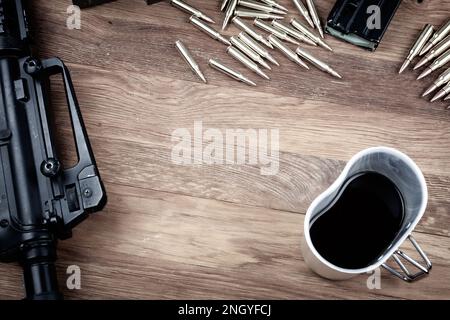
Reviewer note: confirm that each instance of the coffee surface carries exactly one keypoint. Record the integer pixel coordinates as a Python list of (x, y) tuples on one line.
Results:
[(362, 222)]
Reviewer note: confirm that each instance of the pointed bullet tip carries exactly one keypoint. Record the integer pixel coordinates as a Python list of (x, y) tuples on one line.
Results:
[(248, 81), (404, 65), (225, 23), (304, 65), (292, 41), (429, 90), (334, 73), (323, 44), (420, 64), (265, 64), (310, 22), (321, 33), (434, 99), (200, 75), (266, 42), (438, 95), (447, 98), (424, 74), (337, 75), (262, 74), (425, 49), (279, 6), (207, 19)]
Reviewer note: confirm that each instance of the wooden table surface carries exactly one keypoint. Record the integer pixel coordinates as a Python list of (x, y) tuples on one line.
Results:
[(226, 231)]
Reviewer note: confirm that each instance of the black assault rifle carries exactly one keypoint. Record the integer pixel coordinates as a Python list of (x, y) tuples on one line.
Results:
[(40, 200)]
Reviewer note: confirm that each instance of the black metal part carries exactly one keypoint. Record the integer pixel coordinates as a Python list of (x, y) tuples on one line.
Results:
[(91, 3), (351, 20), (40, 200)]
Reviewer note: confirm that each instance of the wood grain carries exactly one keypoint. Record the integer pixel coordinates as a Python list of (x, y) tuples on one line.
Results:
[(151, 244), (173, 231)]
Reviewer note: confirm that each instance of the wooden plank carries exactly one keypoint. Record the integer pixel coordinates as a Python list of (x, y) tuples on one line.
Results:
[(131, 132), (149, 244), (227, 231), (131, 36)]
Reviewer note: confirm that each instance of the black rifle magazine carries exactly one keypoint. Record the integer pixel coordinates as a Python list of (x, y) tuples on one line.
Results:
[(361, 22), (89, 3)]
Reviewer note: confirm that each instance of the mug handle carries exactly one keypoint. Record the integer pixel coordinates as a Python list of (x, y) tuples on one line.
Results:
[(406, 275)]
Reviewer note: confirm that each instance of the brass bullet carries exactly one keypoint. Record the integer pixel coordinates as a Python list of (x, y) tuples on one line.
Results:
[(208, 30), (315, 16), (255, 35), (417, 46), (317, 63), (291, 55), (437, 36), (243, 13), (249, 52), (280, 34), (274, 4), (304, 29), (189, 59), (224, 5), (440, 81), (257, 48), (239, 56), (229, 13), (434, 52), (437, 63), (230, 72), (260, 7), (301, 7), (191, 10), (442, 93), (294, 33)]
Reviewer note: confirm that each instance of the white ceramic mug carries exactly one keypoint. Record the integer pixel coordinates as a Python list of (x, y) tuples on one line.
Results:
[(409, 180)]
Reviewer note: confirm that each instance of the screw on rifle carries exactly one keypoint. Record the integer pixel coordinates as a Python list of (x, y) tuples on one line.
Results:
[(4, 223), (32, 66), (87, 193), (50, 167)]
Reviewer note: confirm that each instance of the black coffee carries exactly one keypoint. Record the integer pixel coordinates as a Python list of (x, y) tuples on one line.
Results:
[(355, 230)]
